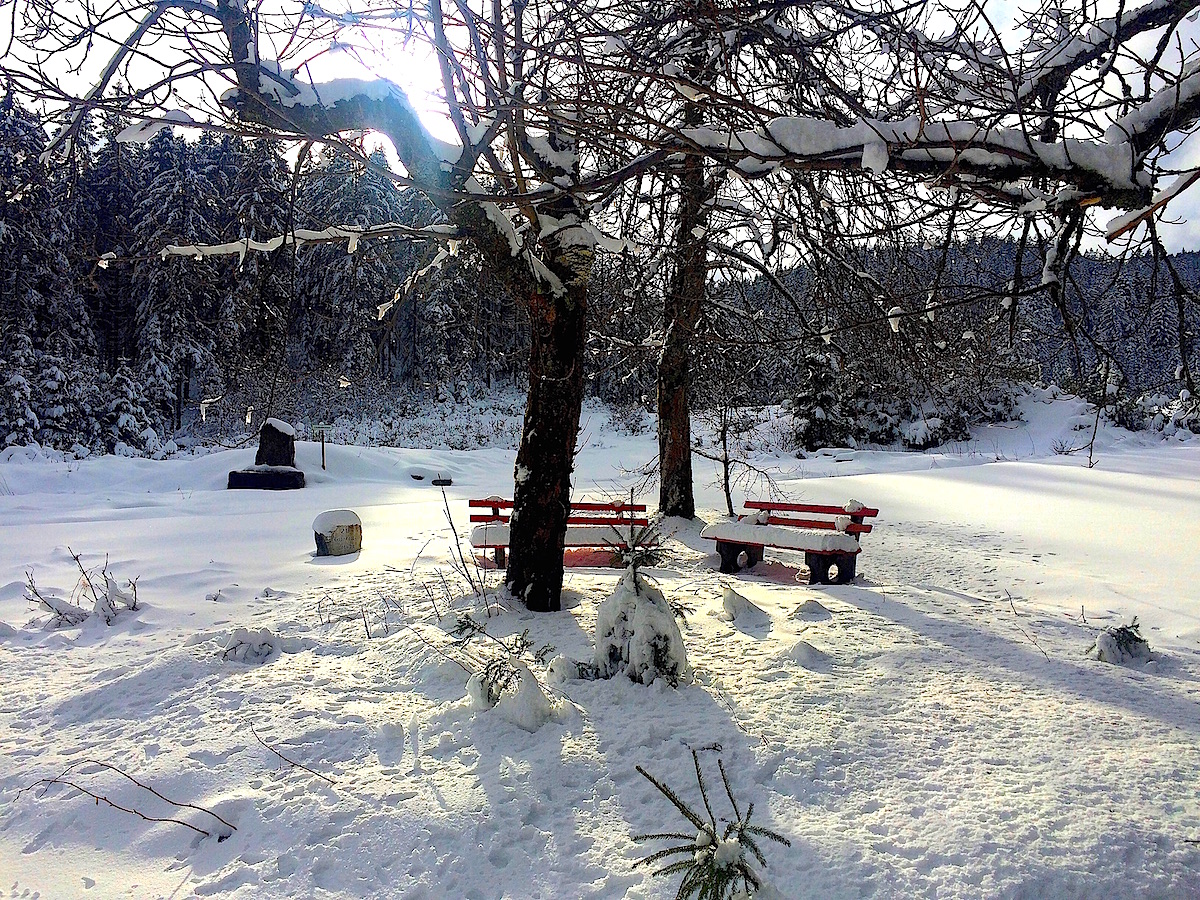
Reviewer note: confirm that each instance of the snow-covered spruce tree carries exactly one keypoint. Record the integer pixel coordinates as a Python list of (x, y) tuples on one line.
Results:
[(42, 314), (107, 187), (18, 422), (637, 635), (253, 319), (341, 291), (178, 299), (126, 417)]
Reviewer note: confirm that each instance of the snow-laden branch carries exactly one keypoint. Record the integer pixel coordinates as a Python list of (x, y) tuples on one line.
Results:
[(351, 234), (1077, 50), (1172, 108), (923, 147), (1122, 225), (66, 137)]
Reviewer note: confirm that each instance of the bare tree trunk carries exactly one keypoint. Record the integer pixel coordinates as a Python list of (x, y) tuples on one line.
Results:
[(546, 458), (681, 313)]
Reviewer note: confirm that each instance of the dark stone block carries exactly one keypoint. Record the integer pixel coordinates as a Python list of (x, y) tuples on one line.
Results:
[(267, 479), (276, 447)]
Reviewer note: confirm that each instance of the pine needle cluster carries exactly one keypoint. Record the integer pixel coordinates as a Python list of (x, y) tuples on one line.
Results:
[(716, 862)]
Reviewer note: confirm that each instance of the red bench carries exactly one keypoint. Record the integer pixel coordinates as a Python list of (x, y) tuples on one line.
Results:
[(592, 525), (828, 536)]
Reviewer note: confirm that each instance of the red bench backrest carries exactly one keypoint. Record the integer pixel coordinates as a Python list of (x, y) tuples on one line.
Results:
[(582, 512), (857, 526)]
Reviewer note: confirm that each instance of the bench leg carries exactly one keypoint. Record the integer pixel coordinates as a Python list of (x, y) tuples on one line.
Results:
[(754, 555), (501, 558), (818, 567), (729, 556), (847, 563)]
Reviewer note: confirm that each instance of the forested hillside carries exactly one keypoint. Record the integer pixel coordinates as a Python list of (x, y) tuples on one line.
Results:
[(110, 344)]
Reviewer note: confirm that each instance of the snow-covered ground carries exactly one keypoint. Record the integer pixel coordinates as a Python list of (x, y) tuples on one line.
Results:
[(935, 729)]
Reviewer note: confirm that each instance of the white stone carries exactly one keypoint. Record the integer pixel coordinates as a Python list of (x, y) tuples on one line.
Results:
[(337, 532)]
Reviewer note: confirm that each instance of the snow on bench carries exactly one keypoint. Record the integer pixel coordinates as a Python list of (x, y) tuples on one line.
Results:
[(827, 535), (589, 524)]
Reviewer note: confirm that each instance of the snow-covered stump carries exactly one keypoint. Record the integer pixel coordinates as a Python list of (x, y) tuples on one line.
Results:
[(274, 466), (338, 532), (636, 634), (276, 444)]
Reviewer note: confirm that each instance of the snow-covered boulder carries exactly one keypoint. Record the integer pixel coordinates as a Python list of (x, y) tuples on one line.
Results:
[(337, 532), (274, 466), (636, 634)]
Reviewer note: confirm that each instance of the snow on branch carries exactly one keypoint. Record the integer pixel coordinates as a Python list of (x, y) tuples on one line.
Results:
[(920, 146), (125, 49), (1077, 50), (352, 234), (1122, 225), (1171, 108)]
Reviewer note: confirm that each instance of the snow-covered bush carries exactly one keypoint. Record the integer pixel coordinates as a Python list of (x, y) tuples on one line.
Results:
[(521, 701), (717, 862), (1121, 644), (503, 680), (100, 590), (636, 634), (1173, 415), (252, 646)]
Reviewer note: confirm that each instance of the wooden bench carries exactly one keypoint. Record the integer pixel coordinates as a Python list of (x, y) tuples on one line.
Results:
[(828, 536), (590, 525)]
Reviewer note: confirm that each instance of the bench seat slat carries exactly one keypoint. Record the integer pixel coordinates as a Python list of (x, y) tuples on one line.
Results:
[(785, 536), (496, 535)]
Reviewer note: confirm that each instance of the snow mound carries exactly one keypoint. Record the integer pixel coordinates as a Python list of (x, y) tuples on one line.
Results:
[(252, 647), (525, 705), (807, 656), (739, 607), (812, 611), (636, 633)]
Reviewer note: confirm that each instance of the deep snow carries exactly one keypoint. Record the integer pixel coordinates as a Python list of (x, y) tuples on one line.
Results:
[(935, 729)]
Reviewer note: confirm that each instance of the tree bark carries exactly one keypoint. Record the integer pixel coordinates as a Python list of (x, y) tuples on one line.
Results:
[(681, 313), (546, 458)]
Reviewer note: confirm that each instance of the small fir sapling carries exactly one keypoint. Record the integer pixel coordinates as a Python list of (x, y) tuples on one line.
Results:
[(717, 862), (636, 634), (1121, 644)]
